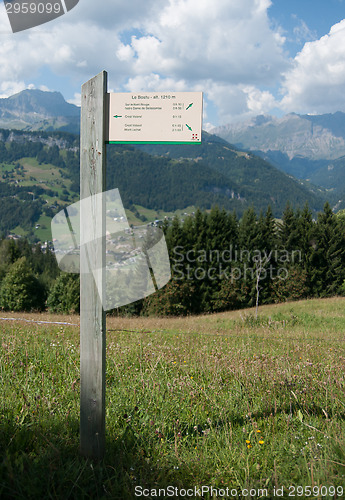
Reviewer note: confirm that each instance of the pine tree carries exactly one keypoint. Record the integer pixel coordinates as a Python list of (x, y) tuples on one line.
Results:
[(197, 263), (248, 236), (248, 230), (174, 235), (328, 257), (288, 229), (64, 296), (306, 232)]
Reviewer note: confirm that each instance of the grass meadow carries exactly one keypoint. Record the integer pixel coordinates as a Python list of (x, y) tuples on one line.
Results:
[(218, 400)]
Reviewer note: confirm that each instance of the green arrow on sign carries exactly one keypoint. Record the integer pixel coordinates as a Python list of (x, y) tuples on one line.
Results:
[(189, 128), (117, 116)]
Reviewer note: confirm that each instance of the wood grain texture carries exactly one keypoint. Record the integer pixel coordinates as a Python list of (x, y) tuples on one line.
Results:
[(92, 256)]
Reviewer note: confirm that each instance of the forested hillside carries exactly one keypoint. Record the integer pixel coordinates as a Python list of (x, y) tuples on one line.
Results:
[(218, 262), (36, 172), (203, 175), (39, 174)]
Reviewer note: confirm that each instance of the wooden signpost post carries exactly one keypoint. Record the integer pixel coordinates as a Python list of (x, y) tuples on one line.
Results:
[(92, 256), (113, 118)]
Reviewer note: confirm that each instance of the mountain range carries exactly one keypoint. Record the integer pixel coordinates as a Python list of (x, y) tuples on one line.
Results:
[(314, 137), (247, 171), (34, 109), (308, 147)]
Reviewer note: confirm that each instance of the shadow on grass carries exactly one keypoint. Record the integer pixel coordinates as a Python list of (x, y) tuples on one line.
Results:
[(40, 458), (42, 461)]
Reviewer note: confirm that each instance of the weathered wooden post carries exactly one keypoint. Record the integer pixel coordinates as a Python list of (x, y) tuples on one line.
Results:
[(92, 257), (159, 118)]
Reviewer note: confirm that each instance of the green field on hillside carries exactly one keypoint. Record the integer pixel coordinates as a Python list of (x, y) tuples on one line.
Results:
[(255, 406), (28, 172)]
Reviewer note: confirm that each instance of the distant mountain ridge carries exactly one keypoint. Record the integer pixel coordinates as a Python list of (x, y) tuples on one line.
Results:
[(40, 172), (314, 137), (34, 109), (246, 178)]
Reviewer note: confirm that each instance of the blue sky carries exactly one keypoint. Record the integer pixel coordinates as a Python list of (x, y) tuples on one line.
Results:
[(317, 14), (250, 57)]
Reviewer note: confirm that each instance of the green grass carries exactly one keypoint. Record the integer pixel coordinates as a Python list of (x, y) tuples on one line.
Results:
[(44, 175), (220, 400), (44, 233), (6, 167), (152, 215)]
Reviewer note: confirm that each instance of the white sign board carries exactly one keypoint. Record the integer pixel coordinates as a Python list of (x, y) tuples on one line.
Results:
[(154, 117)]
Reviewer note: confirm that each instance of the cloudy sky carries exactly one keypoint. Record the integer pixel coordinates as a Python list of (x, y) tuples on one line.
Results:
[(249, 57)]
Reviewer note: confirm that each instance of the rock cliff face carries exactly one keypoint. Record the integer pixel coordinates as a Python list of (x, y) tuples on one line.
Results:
[(313, 137), (38, 110)]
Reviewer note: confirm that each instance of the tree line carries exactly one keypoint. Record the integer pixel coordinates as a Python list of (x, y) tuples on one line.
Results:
[(218, 262)]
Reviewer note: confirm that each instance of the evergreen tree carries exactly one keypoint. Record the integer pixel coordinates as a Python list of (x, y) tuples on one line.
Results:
[(288, 230), (64, 296), (174, 299), (196, 261), (296, 245), (20, 289), (200, 228), (217, 240), (306, 232), (268, 231), (174, 235), (9, 253), (248, 230), (248, 237), (328, 256)]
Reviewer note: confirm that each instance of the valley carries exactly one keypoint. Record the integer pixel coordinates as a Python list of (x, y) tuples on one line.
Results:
[(308, 147), (235, 167)]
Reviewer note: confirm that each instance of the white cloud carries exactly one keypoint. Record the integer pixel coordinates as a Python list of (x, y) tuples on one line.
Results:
[(226, 40), (230, 100), (226, 48), (76, 99), (5, 28), (239, 102), (155, 82), (8, 88), (68, 50), (316, 82), (302, 32), (259, 101), (125, 53)]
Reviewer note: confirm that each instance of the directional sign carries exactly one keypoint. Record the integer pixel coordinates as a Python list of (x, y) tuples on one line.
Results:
[(154, 117)]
